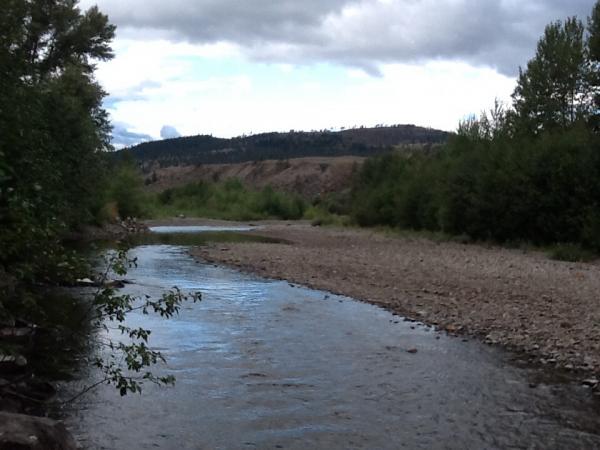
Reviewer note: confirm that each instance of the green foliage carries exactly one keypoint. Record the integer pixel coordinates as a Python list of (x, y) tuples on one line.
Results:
[(594, 33), (125, 190), (319, 217), (543, 190), (396, 190), (126, 362), (53, 172), (571, 253), (554, 91), (593, 47), (229, 200), (53, 132), (330, 209)]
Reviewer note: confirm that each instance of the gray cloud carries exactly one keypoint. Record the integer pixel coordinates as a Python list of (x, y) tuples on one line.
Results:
[(122, 137), (169, 132), (359, 33)]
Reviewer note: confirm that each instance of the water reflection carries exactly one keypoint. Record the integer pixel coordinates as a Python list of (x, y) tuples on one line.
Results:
[(200, 229)]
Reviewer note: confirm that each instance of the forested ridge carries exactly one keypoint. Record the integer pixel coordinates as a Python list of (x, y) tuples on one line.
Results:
[(294, 144)]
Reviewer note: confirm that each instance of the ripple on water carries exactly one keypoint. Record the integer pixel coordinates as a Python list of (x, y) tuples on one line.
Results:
[(261, 364)]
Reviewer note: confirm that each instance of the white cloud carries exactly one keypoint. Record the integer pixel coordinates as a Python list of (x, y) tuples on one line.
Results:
[(175, 91), (169, 132), (144, 64)]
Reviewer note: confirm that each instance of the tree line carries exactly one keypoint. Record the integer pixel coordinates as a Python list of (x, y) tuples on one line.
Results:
[(529, 171)]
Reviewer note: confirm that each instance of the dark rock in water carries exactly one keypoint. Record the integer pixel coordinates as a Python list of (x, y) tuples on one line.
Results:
[(18, 431)]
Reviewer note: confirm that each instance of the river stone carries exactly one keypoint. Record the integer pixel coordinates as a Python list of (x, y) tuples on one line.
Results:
[(21, 432)]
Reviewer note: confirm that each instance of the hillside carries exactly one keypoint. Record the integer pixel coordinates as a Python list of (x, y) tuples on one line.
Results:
[(362, 142), (309, 177)]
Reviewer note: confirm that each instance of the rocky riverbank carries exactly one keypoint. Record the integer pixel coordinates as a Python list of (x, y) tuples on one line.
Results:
[(549, 310), (24, 397)]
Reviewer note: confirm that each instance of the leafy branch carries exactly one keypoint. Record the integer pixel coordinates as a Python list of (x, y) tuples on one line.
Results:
[(125, 363)]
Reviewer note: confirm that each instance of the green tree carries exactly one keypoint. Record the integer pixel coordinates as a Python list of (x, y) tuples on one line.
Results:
[(593, 45), (53, 132), (554, 91)]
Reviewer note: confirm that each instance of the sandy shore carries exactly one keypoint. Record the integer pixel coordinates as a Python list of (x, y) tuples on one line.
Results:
[(524, 301)]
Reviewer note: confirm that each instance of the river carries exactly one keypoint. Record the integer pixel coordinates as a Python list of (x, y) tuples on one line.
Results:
[(262, 364)]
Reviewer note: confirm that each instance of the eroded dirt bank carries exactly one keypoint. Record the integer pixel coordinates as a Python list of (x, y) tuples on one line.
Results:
[(308, 177), (525, 301)]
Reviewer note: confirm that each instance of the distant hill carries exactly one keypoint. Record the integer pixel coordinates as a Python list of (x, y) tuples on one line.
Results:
[(195, 150)]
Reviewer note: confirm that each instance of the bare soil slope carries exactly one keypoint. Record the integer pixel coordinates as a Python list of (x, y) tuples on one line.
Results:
[(308, 177)]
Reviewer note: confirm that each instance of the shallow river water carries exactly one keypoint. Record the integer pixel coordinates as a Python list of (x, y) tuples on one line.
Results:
[(262, 364)]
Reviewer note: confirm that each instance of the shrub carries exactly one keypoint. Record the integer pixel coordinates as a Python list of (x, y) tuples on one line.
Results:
[(229, 200), (126, 190), (572, 253)]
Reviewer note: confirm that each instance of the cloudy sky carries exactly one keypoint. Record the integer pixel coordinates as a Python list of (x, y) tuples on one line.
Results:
[(229, 67)]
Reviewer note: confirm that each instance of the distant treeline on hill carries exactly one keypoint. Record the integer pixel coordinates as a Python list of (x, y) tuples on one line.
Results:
[(194, 150)]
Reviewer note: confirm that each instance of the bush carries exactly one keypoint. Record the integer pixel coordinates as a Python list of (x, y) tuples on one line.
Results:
[(125, 189), (109, 213), (229, 200), (279, 205), (321, 217), (571, 253)]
